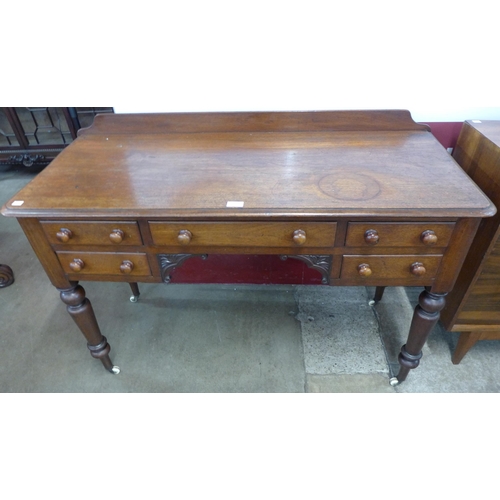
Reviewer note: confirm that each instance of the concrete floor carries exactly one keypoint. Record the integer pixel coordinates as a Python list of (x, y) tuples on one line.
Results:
[(217, 338)]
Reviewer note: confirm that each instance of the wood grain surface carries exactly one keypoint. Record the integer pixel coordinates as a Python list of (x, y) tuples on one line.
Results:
[(154, 173)]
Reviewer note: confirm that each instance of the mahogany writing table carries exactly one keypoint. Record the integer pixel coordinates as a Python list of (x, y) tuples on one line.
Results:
[(367, 198)]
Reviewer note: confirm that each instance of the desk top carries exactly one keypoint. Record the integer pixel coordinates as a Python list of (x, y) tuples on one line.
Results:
[(307, 164)]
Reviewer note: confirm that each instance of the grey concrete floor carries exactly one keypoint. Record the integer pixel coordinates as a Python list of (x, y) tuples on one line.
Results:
[(218, 338)]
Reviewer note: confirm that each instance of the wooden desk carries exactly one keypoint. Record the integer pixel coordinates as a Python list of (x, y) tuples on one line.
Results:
[(368, 198)]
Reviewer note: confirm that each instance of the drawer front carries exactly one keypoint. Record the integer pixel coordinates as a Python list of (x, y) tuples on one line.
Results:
[(127, 264), (245, 234), (92, 233), (406, 267), (412, 234)]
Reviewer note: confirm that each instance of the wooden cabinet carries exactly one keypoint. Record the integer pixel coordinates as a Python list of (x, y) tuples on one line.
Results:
[(473, 307), (36, 135)]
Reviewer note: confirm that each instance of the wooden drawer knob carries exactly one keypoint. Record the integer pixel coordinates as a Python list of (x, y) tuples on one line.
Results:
[(429, 237), (299, 237), (364, 270), (184, 237), (77, 265), (126, 267), (371, 237), (116, 236), (64, 235), (417, 269)]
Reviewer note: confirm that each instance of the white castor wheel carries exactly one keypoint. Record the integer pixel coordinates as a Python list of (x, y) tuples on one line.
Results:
[(115, 370), (371, 302), (134, 298), (394, 381)]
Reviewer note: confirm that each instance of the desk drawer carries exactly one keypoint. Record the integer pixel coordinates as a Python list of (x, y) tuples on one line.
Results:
[(373, 267), (411, 234), (244, 234), (92, 233), (130, 264)]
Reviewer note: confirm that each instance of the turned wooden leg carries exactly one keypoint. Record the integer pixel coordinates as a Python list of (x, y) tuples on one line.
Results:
[(135, 292), (80, 309), (379, 292), (6, 276), (426, 315), (465, 342)]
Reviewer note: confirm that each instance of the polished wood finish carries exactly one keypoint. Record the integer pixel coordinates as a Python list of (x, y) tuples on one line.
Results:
[(104, 263), (237, 234), (371, 237), (184, 237), (383, 267), (6, 276), (364, 270), (135, 292), (64, 235), (127, 266), (424, 319), (399, 235), (299, 237), (305, 185), (418, 269), (116, 236), (92, 233), (379, 293), (322, 165), (473, 306), (429, 238), (316, 121), (76, 265), (80, 309)]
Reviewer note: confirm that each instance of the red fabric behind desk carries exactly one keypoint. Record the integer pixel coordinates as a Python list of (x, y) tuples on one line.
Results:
[(256, 269), (446, 132)]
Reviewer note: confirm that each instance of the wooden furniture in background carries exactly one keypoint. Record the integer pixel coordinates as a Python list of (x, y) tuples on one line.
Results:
[(36, 135), (6, 276), (367, 198), (473, 307)]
